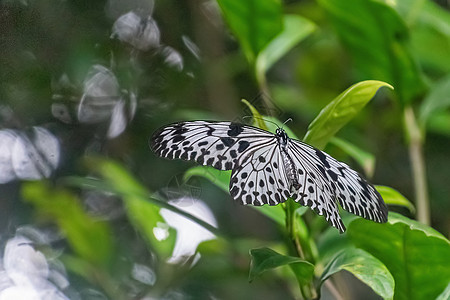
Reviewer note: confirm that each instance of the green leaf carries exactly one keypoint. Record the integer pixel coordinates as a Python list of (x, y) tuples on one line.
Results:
[(255, 23), (219, 178), (330, 243), (264, 259), (365, 267), (222, 180), (377, 39), (143, 214), (340, 111), (296, 28), (89, 238), (258, 119), (437, 100), (393, 197), (416, 255), (365, 159), (96, 184)]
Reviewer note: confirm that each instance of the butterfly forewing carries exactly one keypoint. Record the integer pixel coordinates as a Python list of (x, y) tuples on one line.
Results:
[(217, 144)]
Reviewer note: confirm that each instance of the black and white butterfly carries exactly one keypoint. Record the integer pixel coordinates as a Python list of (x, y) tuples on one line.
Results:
[(269, 168)]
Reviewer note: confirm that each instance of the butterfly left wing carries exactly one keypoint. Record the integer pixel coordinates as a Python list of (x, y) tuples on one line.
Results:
[(326, 180), (217, 144), (258, 175), (261, 178)]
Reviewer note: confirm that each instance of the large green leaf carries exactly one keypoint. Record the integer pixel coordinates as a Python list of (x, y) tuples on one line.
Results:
[(89, 238), (393, 197), (254, 22), (340, 111), (296, 28), (365, 267), (330, 242), (264, 259), (416, 255), (156, 199), (222, 180), (143, 214), (376, 37)]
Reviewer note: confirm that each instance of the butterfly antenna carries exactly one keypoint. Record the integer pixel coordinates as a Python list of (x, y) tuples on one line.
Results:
[(246, 117), (290, 119)]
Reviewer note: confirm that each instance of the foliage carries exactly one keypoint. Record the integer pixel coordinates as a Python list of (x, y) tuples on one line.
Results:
[(94, 86)]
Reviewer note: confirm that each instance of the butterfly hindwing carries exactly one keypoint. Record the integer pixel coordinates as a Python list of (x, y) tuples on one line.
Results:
[(216, 144), (328, 181), (261, 178)]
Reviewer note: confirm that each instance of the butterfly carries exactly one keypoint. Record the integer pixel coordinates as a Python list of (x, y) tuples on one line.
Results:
[(269, 168)]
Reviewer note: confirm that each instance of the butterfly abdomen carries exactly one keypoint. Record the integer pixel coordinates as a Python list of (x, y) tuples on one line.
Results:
[(289, 165)]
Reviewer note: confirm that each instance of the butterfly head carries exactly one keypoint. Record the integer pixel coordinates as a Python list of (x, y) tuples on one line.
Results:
[(281, 136)]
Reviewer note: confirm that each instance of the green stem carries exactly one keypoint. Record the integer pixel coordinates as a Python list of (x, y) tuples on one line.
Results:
[(415, 139), (290, 225), (307, 291)]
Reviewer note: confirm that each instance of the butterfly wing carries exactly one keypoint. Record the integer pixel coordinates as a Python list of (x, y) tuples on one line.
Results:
[(325, 180), (258, 175), (217, 144), (261, 178)]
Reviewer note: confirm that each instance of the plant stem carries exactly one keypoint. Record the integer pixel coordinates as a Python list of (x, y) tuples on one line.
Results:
[(290, 219), (416, 155), (307, 291)]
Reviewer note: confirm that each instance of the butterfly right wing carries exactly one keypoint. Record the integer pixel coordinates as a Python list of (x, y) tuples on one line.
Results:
[(327, 181), (217, 144)]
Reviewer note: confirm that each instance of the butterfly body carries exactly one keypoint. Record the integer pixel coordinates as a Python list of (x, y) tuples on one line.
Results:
[(291, 170), (269, 168)]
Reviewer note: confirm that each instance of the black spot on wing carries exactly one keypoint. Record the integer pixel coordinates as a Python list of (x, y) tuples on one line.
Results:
[(333, 175), (235, 129), (243, 145), (323, 158), (179, 130), (227, 141), (178, 138)]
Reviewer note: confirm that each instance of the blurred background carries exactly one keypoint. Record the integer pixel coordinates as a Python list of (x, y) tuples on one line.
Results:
[(81, 79)]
